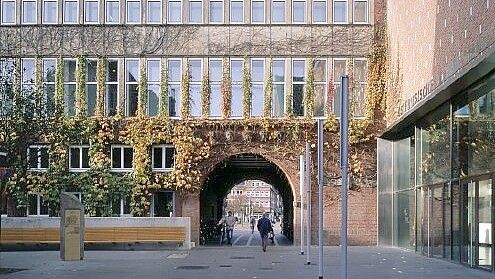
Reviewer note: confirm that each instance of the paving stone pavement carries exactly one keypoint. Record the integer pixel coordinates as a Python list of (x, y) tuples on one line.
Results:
[(233, 262)]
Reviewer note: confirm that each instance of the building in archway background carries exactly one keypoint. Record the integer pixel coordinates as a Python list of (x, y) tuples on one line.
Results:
[(145, 107), (436, 158)]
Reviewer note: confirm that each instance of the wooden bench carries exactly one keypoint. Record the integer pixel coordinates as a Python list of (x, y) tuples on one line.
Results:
[(100, 235)]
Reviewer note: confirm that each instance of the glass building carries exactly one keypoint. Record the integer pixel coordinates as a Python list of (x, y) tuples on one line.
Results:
[(436, 171)]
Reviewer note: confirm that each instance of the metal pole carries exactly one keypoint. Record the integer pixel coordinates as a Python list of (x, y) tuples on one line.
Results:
[(320, 198), (343, 167), (308, 203), (301, 195)]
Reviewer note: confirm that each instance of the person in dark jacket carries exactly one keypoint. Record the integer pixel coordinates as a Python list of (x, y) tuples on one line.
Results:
[(264, 227)]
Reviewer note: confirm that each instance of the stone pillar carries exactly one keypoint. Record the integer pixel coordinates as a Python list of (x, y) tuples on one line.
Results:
[(190, 208), (71, 228)]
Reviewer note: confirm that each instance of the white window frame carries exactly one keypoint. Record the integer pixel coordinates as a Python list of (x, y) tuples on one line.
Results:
[(262, 83), (43, 12), (236, 83), (45, 83), (285, 11), (63, 11), (80, 150), (177, 83), (305, 12), (70, 83), (106, 12), (122, 168), (162, 147), (35, 12), (365, 82), (313, 12), (303, 83), (264, 11), (181, 12), (230, 12), (107, 99), (202, 12), (98, 12), (216, 83), (25, 85), (346, 12), (38, 147), (148, 13), (121, 207), (152, 208), (153, 83), (223, 13), (196, 83), (325, 90), (15, 12), (38, 207), (335, 84), (91, 83), (127, 12), (279, 83), (127, 83), (367, 12)]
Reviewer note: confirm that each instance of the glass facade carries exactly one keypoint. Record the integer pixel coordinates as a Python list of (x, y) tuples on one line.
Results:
[(439, 181)]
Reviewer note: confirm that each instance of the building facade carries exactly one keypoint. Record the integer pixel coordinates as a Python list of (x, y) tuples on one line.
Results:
[(138, 105), (436, 157)]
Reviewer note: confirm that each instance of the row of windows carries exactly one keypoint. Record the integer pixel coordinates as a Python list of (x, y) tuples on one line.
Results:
[(162, 157), (327, 73), (153, 11)]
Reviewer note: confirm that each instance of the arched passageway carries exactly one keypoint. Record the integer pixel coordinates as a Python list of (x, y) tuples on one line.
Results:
[(236, 169)]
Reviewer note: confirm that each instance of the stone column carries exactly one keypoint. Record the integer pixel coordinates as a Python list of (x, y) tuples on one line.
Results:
[(71, 228)]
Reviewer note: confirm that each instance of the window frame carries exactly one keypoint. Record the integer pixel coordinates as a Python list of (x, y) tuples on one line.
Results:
[(222, 21), (38, 167), (313, 12), (45, 82), (80, 150), (230, 12), (367, 12), (106, 12), (35, 12), (346, 12), (122, 168), (304, 13), (107, 83), (264, 12), (127, 83), (64, 5), (152, 205), (325, 90), (284, 83), (156, 83), (32, 83), (15, 12), (95, 83), (97, 15), (303, 83), (215, 83), (272, 2), (176, 83), (335, 84), (127, 12), (236, 83), (195, 83), (202, 12), (163, 148), (66, 110), (259, 83), (38, 207), (147, 19), (365, 82), (181, 21), (43, 12)]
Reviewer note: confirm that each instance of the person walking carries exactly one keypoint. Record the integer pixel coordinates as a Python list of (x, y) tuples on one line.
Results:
[(264, 227), (252, 222), (228, 222)]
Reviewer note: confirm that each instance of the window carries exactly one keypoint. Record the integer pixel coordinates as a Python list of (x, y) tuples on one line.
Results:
[(71, 11), (174, 11), (320, 11), (153, 79), (320, 73), (28, 75), (340, 11), (38, 157), (215, 73), (216, 11), (91, 87), (7, 73), (112, 11), (36, 205), (162, 204), (112, 86), (196, 11), (278, 11), (133, 10), (257, 81), (359, 94), (195, 87), (298, 71), (163, 157), (91, 11), (258, 11), (28, 12), (174, 77), (278, 97), (339, 68), (49, 66), (78, 158), (49, 14), (131, 86), (154, 12), (236, 11), (236, 77), (299, 12), (69, 87), (122, 158), (8, 11), (121, 205), (360, 11)]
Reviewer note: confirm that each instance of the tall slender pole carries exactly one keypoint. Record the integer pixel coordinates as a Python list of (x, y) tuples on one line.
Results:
[(343, 168), (320, 198), (301, 197), (308, 203)]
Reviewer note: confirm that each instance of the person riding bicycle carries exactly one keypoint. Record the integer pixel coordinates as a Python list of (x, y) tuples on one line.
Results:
[(228, 222)]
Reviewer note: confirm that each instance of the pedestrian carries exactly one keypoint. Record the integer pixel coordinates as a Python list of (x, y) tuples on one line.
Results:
[(228, 223), (252, 222), (264, 227)]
